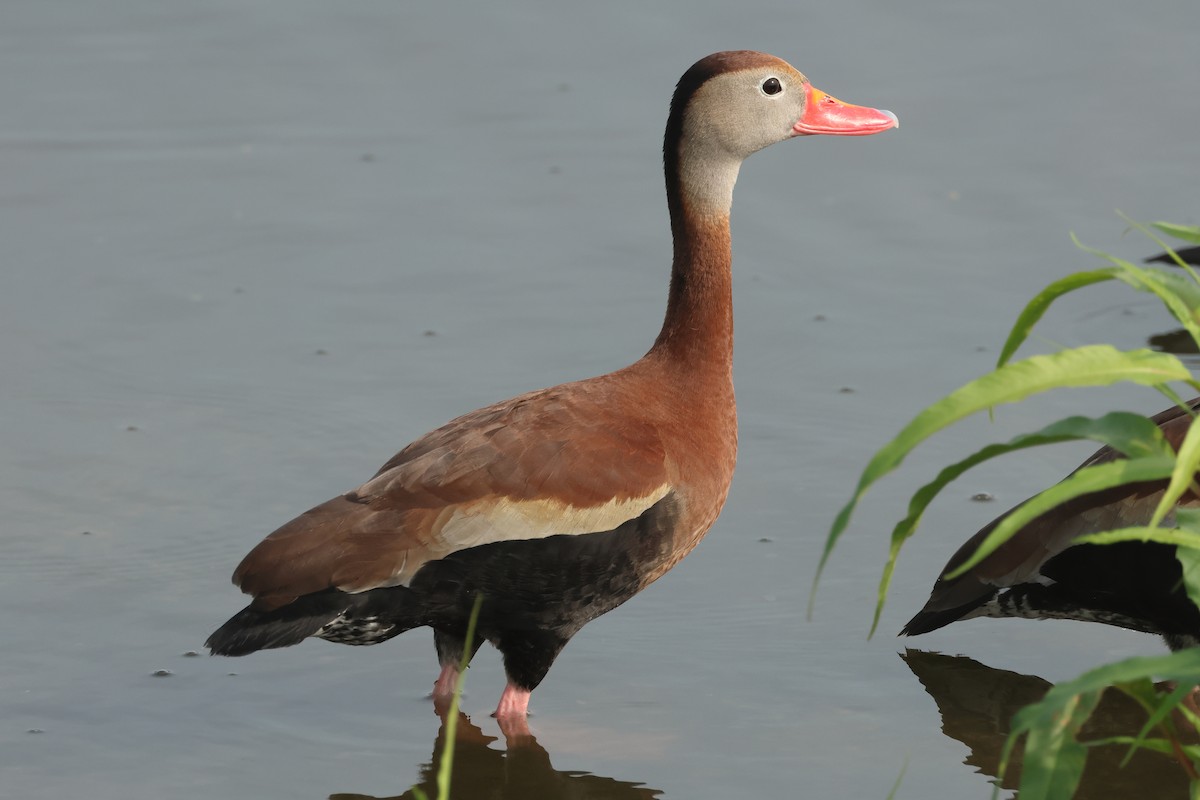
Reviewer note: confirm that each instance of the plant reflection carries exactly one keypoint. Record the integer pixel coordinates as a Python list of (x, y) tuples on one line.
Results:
[(522, 772), (977, 704)]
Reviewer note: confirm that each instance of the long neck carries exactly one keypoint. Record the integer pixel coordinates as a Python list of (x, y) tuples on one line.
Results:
[(698, 330)]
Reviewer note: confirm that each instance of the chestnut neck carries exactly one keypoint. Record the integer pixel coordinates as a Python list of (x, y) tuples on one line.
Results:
[(697, 332)]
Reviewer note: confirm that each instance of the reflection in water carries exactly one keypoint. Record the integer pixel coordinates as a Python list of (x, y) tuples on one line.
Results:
[(523, 772), (1177, 341), (977, 704)]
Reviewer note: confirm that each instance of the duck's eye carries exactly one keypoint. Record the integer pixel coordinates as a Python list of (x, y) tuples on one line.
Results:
[(772, 86)]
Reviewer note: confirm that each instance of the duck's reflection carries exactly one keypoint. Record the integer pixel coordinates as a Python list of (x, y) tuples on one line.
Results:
[(1178, 342), (977, 704), (521, 772)]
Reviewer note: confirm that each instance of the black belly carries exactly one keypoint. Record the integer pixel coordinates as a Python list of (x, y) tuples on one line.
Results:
[(537, 593)]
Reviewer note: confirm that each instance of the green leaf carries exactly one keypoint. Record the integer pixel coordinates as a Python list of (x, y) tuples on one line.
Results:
[(1037, 307), (899, 778), (1059, 712), (1189, 560), (1083, 481), (1131, 434), (1095, 365), (1179, 262), (1179, 294), (1182, 666), (1183, 476), (1172, 536), (1188, 556), (1054, 757), (446, 769), (1188, 233), (1185, 537), (1158, 708), (1155, 745), (1182, 285)]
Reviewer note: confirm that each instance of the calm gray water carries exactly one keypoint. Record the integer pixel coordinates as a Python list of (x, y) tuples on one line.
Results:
[(250, 249)]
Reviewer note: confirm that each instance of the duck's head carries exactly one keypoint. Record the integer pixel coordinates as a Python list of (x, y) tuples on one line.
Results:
[(731, 104), (743, 100)]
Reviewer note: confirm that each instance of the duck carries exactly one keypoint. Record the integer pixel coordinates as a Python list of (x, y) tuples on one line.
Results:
[(1041, 573), (558, 505)]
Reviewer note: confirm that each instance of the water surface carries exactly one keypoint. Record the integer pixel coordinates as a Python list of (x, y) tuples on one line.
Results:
[(253, 248)]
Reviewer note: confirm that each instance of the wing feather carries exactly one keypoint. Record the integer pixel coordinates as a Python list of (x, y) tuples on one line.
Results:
[(545, 463)]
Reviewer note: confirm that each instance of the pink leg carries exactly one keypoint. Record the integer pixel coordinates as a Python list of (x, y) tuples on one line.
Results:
[(512, 714), (443, 688)]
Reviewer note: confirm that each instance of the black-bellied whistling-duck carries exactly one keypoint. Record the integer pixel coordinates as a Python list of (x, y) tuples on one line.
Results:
[(1040, 574), (558, 505)]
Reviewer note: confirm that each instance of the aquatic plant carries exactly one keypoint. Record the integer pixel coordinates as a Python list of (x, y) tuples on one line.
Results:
[(1054, 755)]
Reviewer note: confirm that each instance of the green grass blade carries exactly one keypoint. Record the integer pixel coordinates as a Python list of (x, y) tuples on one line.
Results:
[(1036, 308), (1180, 295), (899, 778), (1081, 482), (1121, 269), (1187, 289), (1173, 396), (1189, 560), (1131, 434), (1172, 536), (1157, 707), (447, 765), (1182, 666), (1179, 262), (1183, 476), (1188, 233), (1054, 757), (1155, 745), (1095, 365), (1061, 706), (1187, 556)]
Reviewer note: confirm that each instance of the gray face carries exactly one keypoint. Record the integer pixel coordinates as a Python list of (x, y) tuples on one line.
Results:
[(731, 116), (743, 111)]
